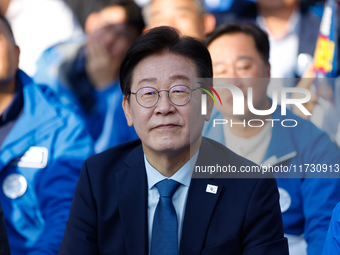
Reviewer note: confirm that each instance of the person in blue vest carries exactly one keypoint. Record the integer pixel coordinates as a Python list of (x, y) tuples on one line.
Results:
[(332, 243), (241, 53), (84, 72), (42, 147)]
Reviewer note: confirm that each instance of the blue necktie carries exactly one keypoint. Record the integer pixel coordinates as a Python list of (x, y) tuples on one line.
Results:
[(164, 239)]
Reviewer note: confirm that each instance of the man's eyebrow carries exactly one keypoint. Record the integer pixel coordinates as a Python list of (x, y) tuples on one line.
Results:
[(151, 79), (244, 57), (238, 58), (173, 77), (218, 63), (179, 77), (184, 8)]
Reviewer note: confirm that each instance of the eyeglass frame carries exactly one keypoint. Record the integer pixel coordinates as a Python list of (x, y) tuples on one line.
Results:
[(159, 95)]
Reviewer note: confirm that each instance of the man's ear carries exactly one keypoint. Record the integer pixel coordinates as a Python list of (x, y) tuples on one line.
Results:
[(266, 74), (91, 23), (210, 106), (127, 111), (146, 28), (17, 54), (268, 70), (209, 22)]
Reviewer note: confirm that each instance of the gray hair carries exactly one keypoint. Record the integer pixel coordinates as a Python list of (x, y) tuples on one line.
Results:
[(146, 10)]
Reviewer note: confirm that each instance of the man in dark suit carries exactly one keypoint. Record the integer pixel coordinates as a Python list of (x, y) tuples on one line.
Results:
[(139, 197), (4, 245)]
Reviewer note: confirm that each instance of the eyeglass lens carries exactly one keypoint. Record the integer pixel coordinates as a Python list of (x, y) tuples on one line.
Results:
[(178, 95)]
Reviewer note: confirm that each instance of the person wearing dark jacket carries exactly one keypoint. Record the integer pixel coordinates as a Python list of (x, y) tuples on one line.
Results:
[(4, 245)]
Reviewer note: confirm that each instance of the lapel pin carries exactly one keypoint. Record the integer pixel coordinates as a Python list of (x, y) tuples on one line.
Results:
[(14, 186), (211, 189)]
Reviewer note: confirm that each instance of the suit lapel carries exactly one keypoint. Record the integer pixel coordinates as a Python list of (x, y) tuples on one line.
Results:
[(200, 204), (199, 209), (132, 193)]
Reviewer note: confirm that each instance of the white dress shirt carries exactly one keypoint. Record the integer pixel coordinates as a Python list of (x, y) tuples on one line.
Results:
[(179, 199), (283, 51), (283, 54)]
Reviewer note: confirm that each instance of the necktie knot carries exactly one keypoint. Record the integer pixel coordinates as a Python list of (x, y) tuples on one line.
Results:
[(167, 187)]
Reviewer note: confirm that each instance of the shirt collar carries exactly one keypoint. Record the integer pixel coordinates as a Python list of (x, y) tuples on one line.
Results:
[(183, 175)]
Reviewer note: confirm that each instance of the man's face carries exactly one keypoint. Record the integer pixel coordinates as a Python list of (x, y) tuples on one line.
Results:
[(234, 56), (110, 15), (108, 28), (9, 55), (116, 38), (180, 14), (165, 127)]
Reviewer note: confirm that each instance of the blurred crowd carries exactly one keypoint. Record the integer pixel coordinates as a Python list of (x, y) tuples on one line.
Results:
[(61, 102)]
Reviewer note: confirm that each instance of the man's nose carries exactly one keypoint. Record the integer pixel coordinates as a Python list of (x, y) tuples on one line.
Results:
[(233, 77), (232, 73), (111, 39), (164, 105)]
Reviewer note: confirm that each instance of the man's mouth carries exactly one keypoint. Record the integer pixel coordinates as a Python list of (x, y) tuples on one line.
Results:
[(166, 126)]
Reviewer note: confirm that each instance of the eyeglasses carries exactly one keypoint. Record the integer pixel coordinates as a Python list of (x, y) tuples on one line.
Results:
[(178, 95)]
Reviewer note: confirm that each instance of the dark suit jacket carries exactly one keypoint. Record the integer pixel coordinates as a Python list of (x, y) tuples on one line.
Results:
[(110, 207), (4, 245)]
